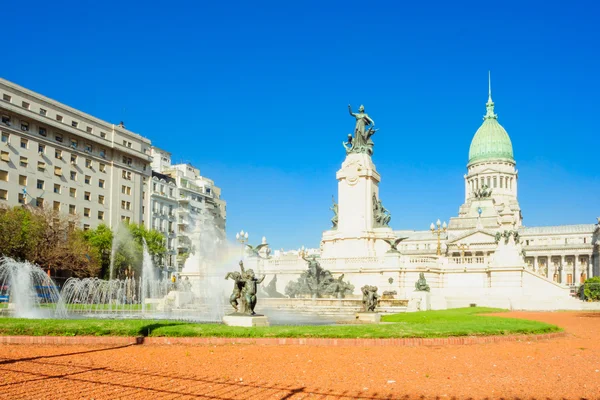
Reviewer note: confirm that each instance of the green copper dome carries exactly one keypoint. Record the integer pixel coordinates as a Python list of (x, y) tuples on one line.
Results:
[(491, 142)]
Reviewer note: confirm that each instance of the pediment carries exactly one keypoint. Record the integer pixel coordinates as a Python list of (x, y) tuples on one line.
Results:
[(475, 236)]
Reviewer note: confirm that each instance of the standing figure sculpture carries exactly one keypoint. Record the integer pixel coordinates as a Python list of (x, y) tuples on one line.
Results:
[(238, 285), (370, 298), (363, 130), (250, 289), (334, 208)]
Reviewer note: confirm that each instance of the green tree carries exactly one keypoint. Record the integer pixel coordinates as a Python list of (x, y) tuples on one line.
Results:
[(591, 288), (101, 239)]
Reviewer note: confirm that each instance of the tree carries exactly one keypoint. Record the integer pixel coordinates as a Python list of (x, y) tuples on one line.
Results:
[(591, 288), (101, 239)]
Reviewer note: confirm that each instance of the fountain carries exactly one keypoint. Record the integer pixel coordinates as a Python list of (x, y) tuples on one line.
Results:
[(30, 292)]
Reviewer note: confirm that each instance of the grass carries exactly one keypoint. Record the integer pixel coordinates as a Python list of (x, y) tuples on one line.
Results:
[(454, 322)]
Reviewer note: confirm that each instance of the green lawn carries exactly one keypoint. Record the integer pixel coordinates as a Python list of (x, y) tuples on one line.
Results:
[(455, 322)]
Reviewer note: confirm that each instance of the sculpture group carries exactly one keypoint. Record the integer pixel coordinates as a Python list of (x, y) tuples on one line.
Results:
[(317, 282), (245, 288), (370, 298), (361, 142), (381, 215)]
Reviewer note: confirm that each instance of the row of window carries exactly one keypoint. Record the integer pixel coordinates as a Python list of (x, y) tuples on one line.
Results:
[(59, 118), (492, 182)]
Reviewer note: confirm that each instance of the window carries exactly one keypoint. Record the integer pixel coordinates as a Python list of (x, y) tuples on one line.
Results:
[(4, 156), (58, 171), (4, 176), (22, 180), (126, 190), (3, 194), (58, 138), (100, 214), (126, 175), (74, 143), (5, 137), (100, 199), (59, 118), (41, 166), (86, 212), (73, 192), (6, 97), (25, 105), (39, 202), (73, 175), (102, 153), (43, 111), (102, 167), (123, 204), (86, 227), (56, 206), (87, 148), (103, 135), (127, 160), (101, 183), (56, 188), (42, 132), (40, 184), (41, 149), (88, 179), (72, 209), (24, 126), (87, 196), (21, 198), (73, 159), (74, 124), (171, 192), (89, 129), (23, 162), (88, 163), (58, 154), (24, 143), (125, 219)]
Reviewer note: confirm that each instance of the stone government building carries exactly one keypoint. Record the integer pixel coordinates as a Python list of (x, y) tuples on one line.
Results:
[(54, 156), (485, 255)]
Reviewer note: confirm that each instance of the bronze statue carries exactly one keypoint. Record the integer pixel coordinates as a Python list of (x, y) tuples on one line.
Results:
[(381, 215), (394, 244), (421, 284), (255, 250), (244, 289), (317, 282), (250, 289), (334, 208), (370, 298), (483, 192), (363, 130)]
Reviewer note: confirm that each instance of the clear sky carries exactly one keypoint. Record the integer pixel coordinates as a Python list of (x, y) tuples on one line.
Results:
[(255, 94)]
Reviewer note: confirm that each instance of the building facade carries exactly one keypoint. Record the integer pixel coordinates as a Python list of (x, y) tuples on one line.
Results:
[(54, 156)]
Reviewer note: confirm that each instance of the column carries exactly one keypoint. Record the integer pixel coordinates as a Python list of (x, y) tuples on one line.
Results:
[(562, 272), (576, 271), (534, 264)]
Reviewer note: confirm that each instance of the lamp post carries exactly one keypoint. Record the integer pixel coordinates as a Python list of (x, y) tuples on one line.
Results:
[(242, 238), (439, 231)]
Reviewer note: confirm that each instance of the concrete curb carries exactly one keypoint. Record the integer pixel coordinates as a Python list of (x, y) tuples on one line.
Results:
[(199, 341)]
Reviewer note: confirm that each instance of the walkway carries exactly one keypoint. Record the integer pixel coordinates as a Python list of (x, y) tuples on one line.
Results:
[(565, 367)]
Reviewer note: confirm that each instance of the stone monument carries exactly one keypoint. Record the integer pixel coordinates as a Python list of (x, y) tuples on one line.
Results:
[(360, 217), (243, 299), (317, 282)]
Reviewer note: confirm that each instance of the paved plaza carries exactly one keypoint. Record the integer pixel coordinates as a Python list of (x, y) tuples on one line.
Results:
[(565, 367)]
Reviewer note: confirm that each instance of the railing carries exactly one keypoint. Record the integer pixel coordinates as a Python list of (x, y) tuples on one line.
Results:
[(467, 260), (423, 260)]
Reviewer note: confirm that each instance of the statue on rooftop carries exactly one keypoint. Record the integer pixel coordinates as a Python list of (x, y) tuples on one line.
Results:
[(394, 244), (483, 192), (361, 142)]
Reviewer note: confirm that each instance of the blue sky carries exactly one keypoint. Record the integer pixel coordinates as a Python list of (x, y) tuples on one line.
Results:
[(255, 95)]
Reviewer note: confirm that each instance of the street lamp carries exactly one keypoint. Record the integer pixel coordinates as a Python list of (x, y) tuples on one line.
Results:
[(242, 238), (439, 231), (462, 247)]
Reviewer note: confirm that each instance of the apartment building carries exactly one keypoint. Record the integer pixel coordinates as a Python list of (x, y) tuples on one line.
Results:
[(196, 197), (54, 156)]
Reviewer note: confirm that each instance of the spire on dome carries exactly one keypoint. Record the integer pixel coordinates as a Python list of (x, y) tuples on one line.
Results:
[(490, 104)]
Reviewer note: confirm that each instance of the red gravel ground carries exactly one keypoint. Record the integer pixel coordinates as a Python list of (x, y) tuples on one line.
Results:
[(565, 367)]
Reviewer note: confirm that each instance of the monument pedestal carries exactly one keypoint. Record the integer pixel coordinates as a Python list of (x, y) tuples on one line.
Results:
[(419, 301), (368, 317), (245, 320)]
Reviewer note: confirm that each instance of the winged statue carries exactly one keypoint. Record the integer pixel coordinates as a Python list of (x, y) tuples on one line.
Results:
[(255, 250), (394, 244)]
